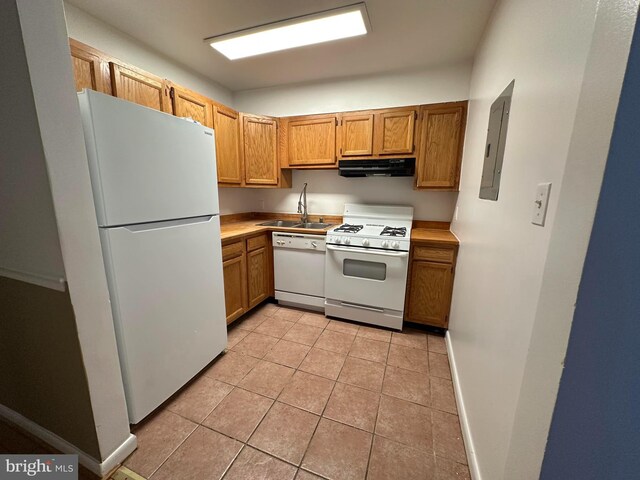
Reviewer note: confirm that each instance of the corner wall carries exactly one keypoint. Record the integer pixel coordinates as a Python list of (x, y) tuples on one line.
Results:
[(543, 45), (595, 432), (41, 368), (46, 47)]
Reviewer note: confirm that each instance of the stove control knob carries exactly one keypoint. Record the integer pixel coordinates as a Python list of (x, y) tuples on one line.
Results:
[(384, 244), (395, 245), (337, 239), (347, 241), (365, 242)]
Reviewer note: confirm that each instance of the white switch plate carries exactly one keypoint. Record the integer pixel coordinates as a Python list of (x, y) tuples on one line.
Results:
[(540, 204)]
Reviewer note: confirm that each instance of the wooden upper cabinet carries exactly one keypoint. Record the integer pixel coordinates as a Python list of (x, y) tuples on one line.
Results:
[(356, 136), (312, 141), (259, 150), (140, 87), (395, 131), (226, 123), (187, 103), (441, 141), (90, 69)]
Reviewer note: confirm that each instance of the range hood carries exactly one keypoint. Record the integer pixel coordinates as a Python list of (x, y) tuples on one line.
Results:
[(385, 167)]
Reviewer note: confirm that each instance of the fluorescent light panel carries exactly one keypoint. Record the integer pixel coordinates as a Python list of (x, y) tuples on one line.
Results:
[(297, 32)]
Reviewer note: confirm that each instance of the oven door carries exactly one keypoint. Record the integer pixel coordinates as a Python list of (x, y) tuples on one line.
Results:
[(366, 277)]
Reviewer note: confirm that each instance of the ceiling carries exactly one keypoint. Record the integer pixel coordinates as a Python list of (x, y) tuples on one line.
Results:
[(405, 34)]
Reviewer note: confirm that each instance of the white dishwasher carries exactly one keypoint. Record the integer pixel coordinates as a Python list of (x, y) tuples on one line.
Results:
[(298, 263)]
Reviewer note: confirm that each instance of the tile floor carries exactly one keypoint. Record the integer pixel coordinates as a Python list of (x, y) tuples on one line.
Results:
[(298, 395), (301, 396)]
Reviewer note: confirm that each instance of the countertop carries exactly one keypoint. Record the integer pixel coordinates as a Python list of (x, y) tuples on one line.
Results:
[(433, 235), (244, 228)]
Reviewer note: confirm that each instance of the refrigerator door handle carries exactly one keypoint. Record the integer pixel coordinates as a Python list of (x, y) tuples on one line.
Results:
[(145, 227)]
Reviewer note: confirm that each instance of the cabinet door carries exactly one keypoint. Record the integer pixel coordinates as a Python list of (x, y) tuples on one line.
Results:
[(140, 87), (87, 69), (235, 285), (312, 141), (356, 135), (257, 273), (190, 104), (259, 150), (395, 131), (226, 123), (441, 141), (429, 298)]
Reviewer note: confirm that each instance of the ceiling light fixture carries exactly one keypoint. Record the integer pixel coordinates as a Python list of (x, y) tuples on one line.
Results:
[(344, 22)]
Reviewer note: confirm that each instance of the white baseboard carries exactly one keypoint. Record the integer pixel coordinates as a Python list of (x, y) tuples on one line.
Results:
[(462, 413), (86, 460)]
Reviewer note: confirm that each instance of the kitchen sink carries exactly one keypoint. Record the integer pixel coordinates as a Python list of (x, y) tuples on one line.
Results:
[(316, 225), (280, 223), (295, 224)]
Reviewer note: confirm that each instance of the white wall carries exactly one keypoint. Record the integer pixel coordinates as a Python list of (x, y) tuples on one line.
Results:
[(574, 219), (29, 244), (94, 32), (544, 45), (48, 57), (327, 191), (445, 84), (237, 200)]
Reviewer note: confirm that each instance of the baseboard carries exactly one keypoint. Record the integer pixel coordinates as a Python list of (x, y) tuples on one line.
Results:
[(462, 413), (86, 460)]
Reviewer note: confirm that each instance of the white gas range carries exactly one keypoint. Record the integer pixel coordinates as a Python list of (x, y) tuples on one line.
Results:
[(366, 264)]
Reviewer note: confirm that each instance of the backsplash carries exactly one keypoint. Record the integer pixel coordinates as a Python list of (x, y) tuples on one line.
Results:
[(327, 193)]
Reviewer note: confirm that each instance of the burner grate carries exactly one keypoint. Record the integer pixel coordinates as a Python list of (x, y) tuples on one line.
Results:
[(346, 228), (394, 232)]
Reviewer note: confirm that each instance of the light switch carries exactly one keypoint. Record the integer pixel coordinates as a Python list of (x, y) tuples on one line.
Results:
[(540, 204)]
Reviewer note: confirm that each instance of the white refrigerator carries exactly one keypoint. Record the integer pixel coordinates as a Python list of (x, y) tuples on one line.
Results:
[(155, 190)]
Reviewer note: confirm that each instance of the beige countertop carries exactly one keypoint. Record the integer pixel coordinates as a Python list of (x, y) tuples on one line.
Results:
[(245, 228), (433, 235)]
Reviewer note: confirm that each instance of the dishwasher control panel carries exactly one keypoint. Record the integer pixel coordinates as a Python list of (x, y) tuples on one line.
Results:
[(299, 241)]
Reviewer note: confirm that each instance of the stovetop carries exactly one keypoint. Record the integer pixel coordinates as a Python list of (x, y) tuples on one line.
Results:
[(372, 226)]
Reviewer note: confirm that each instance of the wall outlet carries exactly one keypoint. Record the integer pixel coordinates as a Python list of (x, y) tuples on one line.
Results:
[(540, 204), (455, 213)]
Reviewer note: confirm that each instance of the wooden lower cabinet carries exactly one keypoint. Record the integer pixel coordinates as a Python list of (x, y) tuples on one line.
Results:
[(234, 271), (257, 276), (247, 268), (430, 285)]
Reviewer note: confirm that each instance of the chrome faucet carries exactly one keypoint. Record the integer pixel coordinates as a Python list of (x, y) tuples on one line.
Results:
[(302, 205)]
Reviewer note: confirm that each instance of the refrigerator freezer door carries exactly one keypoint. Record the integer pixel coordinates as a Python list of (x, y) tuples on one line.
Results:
[(146, 166), (167, 297)]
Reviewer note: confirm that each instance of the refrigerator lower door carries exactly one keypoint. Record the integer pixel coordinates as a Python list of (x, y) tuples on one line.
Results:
[(167, 297)]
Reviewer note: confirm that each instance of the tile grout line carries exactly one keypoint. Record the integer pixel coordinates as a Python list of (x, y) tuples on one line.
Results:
[(335, 382)]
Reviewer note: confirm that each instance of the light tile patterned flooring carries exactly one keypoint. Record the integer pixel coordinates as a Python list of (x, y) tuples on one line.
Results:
[(298, 395)]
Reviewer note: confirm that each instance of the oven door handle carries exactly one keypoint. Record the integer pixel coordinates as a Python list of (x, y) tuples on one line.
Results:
[(362, 307), (382, 253)]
